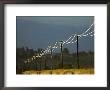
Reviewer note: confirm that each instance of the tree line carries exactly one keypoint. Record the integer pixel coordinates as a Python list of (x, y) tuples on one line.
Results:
[(24, 53)]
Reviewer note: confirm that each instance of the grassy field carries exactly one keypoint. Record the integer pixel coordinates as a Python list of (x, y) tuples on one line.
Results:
[(61, 71)]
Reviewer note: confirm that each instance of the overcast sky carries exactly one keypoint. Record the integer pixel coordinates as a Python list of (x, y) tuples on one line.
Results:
[(38, 31)]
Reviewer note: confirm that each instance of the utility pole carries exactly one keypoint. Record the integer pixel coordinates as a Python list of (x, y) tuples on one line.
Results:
[(40, 64), (45, 61), (51, 57), (36, 65), (61, 45), (77, 53)]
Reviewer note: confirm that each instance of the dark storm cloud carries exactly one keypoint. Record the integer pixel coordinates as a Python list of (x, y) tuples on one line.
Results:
[(37, 32)]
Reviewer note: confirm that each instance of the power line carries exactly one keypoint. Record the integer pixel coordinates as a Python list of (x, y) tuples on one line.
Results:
[(71, 39)]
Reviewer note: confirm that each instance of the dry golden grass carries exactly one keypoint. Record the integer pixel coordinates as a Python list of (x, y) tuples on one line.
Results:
[(61, 71)]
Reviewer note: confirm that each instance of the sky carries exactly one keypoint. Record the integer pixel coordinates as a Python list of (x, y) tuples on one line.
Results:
[(39, 31)]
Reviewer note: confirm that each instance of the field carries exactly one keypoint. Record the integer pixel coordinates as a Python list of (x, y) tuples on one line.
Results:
[(61, 71)]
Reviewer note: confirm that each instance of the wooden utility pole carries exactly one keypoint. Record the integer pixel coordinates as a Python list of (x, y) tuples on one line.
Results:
[(40, 64), (45, 61), (51, 58), (36, 65), (77, 53), (61, 45)]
